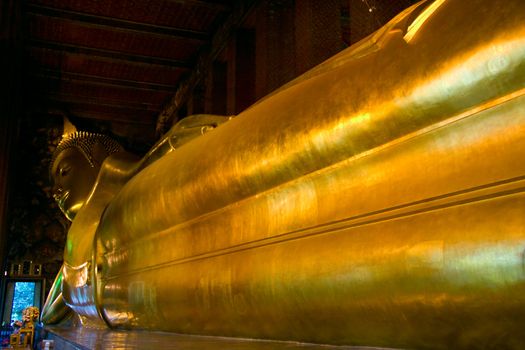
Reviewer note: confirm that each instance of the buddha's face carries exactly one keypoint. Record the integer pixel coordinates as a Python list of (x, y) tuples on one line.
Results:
[(73, 178)]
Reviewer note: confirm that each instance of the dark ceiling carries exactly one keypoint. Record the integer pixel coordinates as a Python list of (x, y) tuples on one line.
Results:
[(114, 65)]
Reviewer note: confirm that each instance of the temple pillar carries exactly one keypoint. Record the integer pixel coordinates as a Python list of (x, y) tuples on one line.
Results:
[(215, 101), (275, 46), (317, 32)]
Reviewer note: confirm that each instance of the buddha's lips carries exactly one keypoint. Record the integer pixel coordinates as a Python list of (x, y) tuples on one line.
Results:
[(61, 200)]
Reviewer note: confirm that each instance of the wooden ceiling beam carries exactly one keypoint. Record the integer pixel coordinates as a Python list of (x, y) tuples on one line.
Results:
[(207, 4), (116, 23), (111, 117), (107, 113), (103, 81), (87, 112), (111, 55), (111, 103)]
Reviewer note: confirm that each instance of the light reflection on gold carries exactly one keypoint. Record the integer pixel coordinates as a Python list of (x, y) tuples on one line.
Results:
[(338, 134), (472, 68), (78, 275), (421, 19), (377, 201)]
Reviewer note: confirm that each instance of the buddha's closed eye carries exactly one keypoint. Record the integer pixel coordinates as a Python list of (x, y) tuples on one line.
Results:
[(64, 171)]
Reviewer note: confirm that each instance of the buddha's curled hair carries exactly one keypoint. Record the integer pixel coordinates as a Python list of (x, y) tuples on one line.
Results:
[(85, 141)]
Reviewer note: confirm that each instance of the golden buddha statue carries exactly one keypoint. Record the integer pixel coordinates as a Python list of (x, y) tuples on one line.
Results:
[(377, 200)]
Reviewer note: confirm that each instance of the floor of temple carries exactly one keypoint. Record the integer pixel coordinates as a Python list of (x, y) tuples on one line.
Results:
[(85, 338)]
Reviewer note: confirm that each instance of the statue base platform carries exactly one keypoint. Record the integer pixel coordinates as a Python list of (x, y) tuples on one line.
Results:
[(78, 338)]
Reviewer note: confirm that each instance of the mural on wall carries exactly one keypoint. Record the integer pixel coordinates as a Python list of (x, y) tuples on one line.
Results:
[(37, 228)]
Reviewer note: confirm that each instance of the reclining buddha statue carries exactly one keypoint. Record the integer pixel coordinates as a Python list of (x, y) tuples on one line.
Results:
[(377, 200)]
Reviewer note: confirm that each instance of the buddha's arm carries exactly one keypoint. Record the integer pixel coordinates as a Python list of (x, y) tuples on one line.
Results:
[(55, 309), (181, 133)]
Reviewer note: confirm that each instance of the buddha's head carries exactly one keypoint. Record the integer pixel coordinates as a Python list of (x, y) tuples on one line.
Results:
[(75, 166)]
